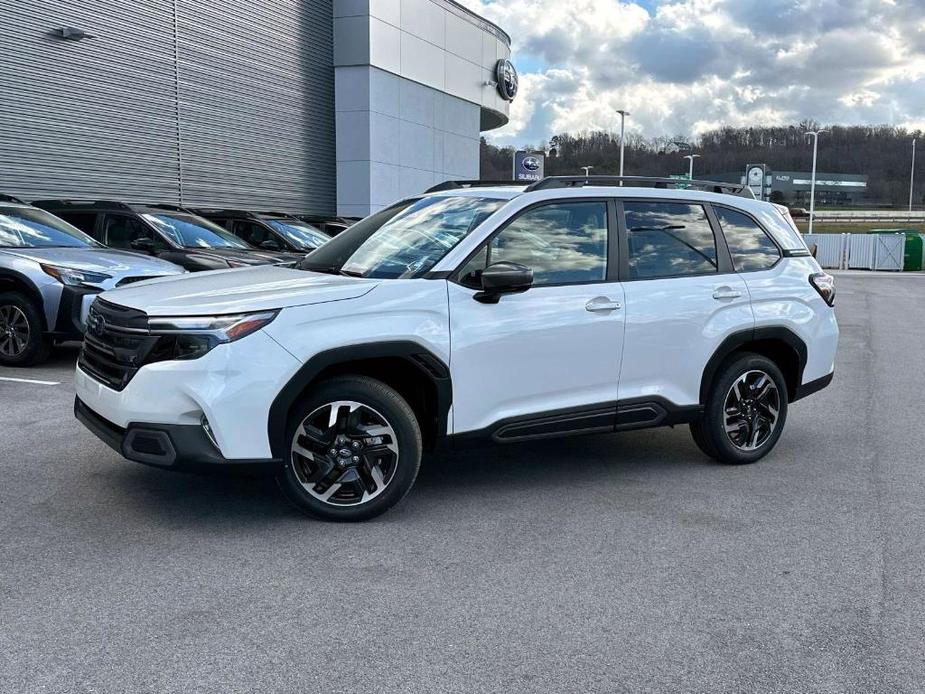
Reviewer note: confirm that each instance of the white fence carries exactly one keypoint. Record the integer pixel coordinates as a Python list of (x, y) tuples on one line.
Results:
[(859, 251)]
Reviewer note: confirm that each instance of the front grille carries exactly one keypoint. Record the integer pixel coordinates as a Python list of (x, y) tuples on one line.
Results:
[(132, 280), (116, 343)]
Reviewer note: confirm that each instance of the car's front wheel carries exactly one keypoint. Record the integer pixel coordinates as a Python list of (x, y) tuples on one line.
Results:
[(354, 450), (745, 411), (22, 340)]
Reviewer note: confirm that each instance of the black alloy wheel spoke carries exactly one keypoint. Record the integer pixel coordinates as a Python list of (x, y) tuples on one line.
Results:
[(344, 453), (751, 410)]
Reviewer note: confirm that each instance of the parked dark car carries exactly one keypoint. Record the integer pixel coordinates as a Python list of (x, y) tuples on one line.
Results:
[(331, 226), (166, 231), (274, 231)]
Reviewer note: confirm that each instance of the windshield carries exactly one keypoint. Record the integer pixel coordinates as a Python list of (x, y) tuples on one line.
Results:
[(402, 241), (27, 227), (190, 231), (299, 234)]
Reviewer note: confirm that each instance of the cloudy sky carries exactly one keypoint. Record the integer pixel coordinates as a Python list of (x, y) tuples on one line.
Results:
[(685, 66)]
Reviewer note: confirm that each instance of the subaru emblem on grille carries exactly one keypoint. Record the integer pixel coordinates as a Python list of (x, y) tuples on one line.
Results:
[(96, 324)]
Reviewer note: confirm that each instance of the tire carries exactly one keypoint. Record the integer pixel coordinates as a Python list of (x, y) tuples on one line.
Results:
[(361, 466), (749, 411), (22, 331)]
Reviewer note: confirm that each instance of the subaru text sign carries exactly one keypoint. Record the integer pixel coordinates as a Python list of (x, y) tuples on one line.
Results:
[(528, 166)]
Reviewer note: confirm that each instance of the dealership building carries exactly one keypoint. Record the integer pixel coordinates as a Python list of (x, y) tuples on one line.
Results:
[(793, 187), (312, 106)]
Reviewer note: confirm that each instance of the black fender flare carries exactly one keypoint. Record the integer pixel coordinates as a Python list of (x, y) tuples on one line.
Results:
[(31, 289), (425, 361), (744, 337)]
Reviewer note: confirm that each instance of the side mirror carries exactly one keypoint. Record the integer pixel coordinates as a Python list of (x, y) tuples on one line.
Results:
[(503, 278), (142, 245), (271, 245)]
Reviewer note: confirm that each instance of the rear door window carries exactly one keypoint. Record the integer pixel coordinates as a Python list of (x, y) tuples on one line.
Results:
[(669, 239)]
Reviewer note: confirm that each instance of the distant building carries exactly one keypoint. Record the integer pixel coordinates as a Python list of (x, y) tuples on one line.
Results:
[(792, 187)]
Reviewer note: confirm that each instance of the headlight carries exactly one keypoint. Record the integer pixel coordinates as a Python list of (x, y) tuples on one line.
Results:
[(73, 277), (191, 337)]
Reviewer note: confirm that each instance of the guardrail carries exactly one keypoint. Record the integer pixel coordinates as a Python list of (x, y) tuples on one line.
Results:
[(914, 217)]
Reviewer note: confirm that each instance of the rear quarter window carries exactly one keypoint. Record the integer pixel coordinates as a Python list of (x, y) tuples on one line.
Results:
[(787, 237), (751, 248)]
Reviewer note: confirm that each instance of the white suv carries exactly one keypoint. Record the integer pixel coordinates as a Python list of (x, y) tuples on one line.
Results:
[(571, 306)]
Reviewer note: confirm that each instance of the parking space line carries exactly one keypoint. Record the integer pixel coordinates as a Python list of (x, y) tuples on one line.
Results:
[(31, 380)]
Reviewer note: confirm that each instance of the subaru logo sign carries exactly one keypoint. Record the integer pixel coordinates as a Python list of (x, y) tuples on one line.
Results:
[(528, 166), (506, 77)]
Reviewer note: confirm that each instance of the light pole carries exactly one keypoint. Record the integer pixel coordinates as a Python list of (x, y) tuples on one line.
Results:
[(912, 175), (623, 115), (587, 169), (690, 173), (812, 184)]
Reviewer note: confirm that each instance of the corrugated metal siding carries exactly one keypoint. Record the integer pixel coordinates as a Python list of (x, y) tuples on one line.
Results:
[(79, 118), (251, 82), (256, 83)]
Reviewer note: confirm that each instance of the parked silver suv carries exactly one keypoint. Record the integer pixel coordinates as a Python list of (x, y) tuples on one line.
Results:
[(50, 272)]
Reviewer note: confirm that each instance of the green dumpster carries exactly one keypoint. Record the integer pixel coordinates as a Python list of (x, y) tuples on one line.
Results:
[(912, 250)]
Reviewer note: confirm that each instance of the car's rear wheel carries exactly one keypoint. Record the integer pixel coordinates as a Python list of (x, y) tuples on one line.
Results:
[(745, 411), (354, 450), (22, 340)]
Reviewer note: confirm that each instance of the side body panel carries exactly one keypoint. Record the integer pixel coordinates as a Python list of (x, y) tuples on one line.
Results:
[(673, 327), (783, 297), (413, 310), (538, 351)]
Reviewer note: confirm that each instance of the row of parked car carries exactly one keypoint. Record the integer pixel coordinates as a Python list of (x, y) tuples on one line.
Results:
[(57, 255)]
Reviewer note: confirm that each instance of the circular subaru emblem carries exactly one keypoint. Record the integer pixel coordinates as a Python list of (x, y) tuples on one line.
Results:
[(531, 164), (506, 77)]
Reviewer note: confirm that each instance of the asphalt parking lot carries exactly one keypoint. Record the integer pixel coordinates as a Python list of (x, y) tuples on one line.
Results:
[(626, 563)]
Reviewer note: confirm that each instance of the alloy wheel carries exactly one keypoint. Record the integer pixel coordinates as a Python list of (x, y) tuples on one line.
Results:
[(14, 331), (344, 453), (751, 410)]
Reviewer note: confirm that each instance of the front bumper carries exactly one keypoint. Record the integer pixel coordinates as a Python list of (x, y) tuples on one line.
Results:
[(233, 387), (71, 317), (182, 447)]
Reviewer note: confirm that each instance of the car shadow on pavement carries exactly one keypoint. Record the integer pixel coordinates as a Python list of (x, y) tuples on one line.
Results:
[(537, 468)]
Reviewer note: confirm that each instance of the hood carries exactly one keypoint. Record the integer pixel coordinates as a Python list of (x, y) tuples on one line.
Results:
[(249, 256), (107, 260), (238, 291)]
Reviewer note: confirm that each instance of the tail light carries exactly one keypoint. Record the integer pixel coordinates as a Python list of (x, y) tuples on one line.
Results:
[(824, 283)]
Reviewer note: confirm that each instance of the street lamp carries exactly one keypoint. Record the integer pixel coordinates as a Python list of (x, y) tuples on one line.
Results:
[(623, 115), (912, 175), (587, 169), (690, 173), (812, 185)]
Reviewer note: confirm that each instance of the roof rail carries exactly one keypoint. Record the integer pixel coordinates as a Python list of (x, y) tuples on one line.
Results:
[(221, 211), (82, 203), (640, 181), (166, 206), (10, 198), (456, 185)]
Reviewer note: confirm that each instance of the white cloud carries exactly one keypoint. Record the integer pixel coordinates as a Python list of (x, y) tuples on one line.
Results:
[(689, 65)]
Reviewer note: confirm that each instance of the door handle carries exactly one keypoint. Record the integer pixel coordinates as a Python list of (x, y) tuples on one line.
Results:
[(721, 293), (600, 304)]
